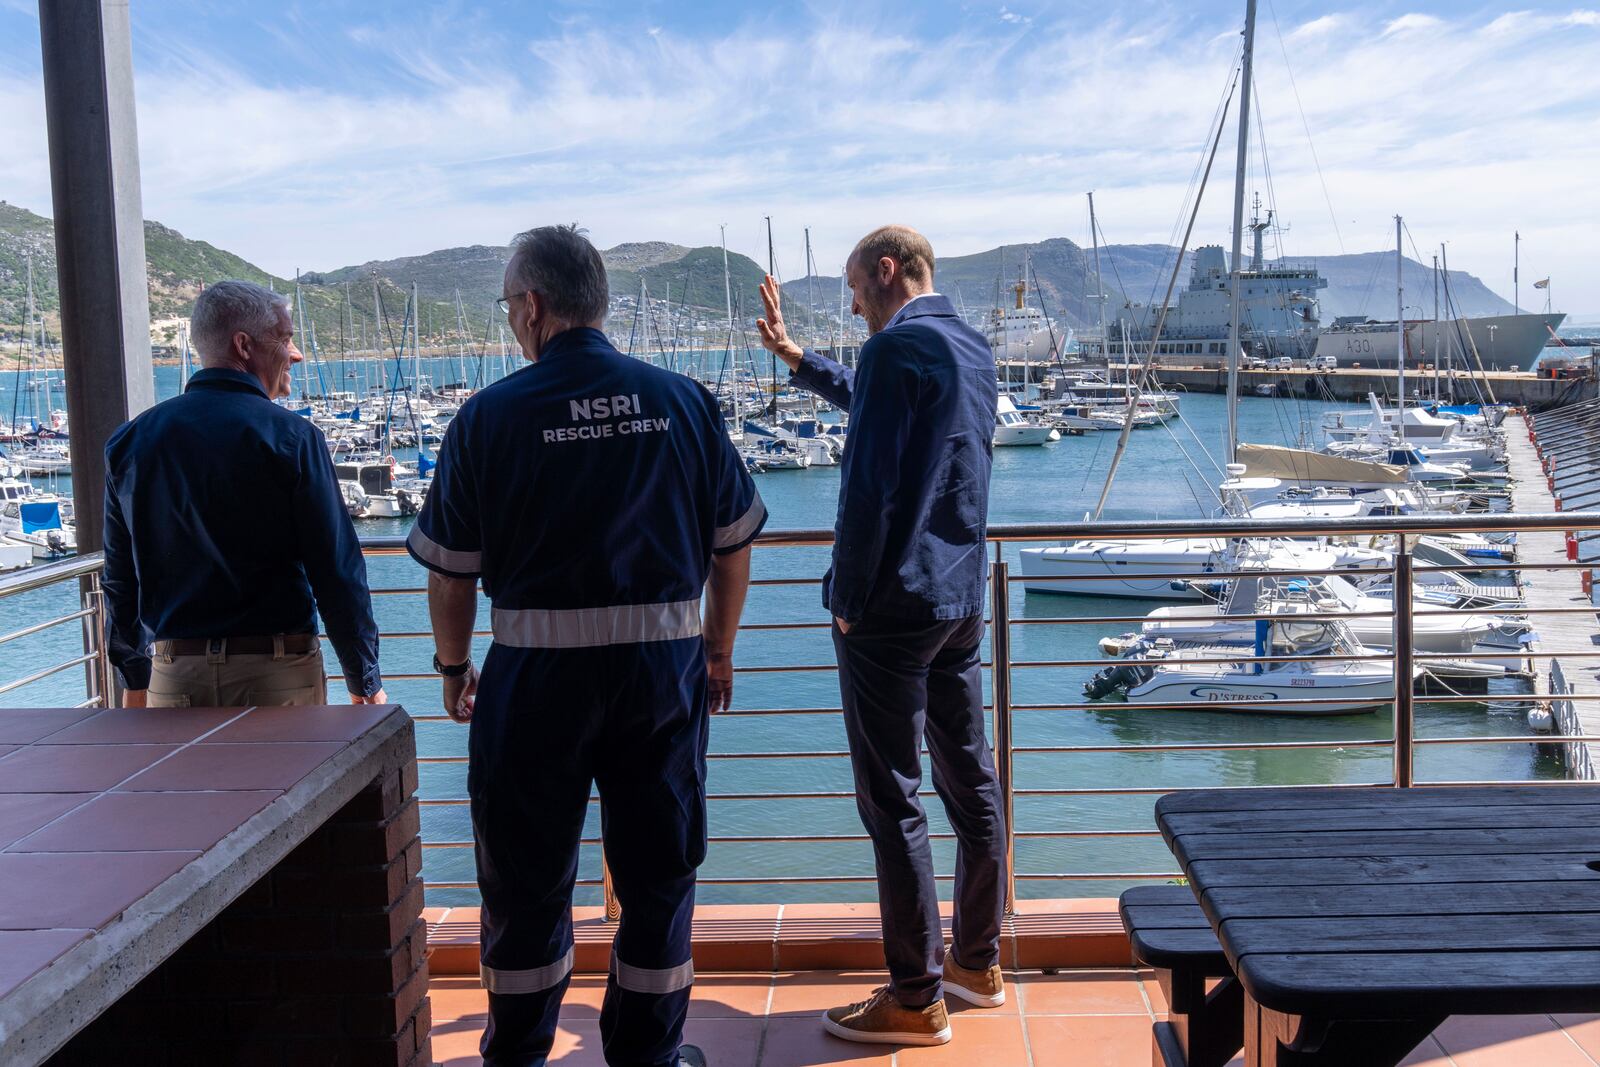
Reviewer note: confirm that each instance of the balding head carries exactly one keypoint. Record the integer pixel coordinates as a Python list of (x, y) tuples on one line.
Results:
[(909, 249), (889, 267)]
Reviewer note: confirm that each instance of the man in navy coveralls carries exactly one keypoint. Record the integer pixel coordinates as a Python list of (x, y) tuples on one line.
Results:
[(597, 497), (906, 591)]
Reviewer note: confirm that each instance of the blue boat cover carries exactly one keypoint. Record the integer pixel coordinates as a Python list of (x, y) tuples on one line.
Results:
[(41, 515)]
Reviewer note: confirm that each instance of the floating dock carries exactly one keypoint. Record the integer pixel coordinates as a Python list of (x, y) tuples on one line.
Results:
[(1560, 438)]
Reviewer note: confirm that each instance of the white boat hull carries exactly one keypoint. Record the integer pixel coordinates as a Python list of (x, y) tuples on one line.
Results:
[(1269, 692), (1026, 434)]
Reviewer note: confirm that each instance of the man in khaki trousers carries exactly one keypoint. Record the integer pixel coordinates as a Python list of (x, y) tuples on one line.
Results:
[(226, 534)]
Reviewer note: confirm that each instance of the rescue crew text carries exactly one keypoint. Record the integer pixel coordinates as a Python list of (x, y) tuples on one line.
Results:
[(600, 407)]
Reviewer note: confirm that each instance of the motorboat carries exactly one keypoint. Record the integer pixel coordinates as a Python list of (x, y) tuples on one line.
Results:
[(1069, 417), (379, 497), (38, 524), (773, 454), (1013, 428), (1232, 622), (1338, 679), (806, 435), (1162, 569)]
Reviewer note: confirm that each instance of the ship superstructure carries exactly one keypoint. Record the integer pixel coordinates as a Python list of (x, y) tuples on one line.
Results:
[(1020, 333), (1279, 315)]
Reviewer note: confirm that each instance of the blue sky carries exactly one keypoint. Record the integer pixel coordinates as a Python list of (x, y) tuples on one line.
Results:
[(313, 135)]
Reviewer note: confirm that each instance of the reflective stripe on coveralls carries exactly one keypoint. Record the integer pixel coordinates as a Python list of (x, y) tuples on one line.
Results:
[(656, 981), (533, 980), (619, 624)]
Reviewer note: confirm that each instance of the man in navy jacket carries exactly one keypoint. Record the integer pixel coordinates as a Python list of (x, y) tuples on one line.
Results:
[(906, 591)]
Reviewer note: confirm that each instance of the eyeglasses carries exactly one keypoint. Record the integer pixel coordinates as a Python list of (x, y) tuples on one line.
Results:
[(504, 303)]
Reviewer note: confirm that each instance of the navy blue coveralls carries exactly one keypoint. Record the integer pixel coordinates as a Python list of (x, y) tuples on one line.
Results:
[(589, 490), (224, 519), (909, 573)]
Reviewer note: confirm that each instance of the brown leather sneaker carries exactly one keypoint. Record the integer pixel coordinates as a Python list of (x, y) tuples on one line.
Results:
[(882, 1020), (982, 989)]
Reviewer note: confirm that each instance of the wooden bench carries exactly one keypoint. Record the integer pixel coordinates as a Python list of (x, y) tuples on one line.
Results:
[(1170, 934)]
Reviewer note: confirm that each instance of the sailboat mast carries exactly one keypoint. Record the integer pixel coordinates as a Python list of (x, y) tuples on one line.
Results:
[(772, 269), (727, 283), (1516, 272), (1099, 287), (811, 304), (1238, 231), (1400, 332)]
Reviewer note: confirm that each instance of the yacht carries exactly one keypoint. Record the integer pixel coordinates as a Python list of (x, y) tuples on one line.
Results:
[(1012, 427), (1163, 569)]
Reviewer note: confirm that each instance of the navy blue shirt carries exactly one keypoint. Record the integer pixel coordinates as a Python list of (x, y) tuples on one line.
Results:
[(224, 519), (914, 483), (589, 490)]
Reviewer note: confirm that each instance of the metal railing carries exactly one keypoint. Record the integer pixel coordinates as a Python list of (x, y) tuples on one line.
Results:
[(1002, 663)]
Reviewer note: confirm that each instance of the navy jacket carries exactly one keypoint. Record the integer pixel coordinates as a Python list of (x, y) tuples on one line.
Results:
[(590, 491), (914, 493), (224, 519)]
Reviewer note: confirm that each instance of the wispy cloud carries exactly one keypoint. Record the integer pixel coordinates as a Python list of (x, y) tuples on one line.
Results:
[(985, 134), (1414, 23)]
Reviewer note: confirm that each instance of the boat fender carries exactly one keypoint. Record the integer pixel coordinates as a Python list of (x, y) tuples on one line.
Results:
[(1540, 720)]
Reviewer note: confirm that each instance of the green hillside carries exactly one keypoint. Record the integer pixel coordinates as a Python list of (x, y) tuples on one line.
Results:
[(339, 308), (1358, 284), (1059, 269), (176, 268)]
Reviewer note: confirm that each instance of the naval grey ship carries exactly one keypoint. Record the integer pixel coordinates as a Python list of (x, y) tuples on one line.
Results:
[(1496, 342), (1279, 315)]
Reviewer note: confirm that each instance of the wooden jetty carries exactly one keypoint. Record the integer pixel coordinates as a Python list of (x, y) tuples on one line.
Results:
[(1573, 628)]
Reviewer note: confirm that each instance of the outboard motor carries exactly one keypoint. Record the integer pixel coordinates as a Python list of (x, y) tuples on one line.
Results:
[(1116, 678)]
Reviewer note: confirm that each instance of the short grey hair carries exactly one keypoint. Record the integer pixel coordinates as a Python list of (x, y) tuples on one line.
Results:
[(560, 264), (226, 308)]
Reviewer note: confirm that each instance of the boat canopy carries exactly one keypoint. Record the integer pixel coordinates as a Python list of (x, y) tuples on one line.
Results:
[(41, 515), (1298, 464)]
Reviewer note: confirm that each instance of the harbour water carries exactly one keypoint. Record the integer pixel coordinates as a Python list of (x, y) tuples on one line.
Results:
[(1054, 483)]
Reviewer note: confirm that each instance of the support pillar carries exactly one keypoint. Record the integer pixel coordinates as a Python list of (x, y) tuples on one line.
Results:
[(99, 224)]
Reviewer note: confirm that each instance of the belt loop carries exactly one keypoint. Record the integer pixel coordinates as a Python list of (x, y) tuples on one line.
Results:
[(163, 650), (277, 646), (217, 650)]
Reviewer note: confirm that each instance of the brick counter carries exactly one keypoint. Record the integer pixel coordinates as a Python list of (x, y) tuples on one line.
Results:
[(235, 886)]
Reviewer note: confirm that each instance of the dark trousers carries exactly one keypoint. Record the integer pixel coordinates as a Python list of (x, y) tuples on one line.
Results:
[(549, 723), (903, 682)]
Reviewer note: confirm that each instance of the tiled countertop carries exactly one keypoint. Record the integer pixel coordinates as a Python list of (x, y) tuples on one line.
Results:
[(123, 831)]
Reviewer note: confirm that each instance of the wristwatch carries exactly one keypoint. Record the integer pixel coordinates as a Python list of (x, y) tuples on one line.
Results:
[(449, 670)]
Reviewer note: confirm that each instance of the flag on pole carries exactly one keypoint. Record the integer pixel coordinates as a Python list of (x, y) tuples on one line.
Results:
[(1544, 284)]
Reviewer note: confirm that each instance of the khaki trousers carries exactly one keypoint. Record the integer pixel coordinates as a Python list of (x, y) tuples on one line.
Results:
[(218, 680)]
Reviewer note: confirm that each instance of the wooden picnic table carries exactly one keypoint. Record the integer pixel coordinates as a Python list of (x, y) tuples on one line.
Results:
[(1357, 920)]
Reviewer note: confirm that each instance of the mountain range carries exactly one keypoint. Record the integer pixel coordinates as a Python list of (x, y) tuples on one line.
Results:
[(1061, 276)]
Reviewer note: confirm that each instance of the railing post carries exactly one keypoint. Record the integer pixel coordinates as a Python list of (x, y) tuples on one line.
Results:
[(1405, 725), (1000, 653), (613, 905), (98, 679)]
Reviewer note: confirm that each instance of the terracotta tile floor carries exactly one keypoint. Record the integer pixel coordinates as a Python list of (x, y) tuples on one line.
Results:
[(1085, 1018)]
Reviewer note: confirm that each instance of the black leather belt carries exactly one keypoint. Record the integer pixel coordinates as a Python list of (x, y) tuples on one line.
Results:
[(293, 644)]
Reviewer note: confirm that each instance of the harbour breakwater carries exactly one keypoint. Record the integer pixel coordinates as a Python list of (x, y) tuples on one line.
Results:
[(1527, 389)]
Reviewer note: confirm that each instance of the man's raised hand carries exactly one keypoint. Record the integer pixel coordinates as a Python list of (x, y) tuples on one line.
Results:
[(774, 337)]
